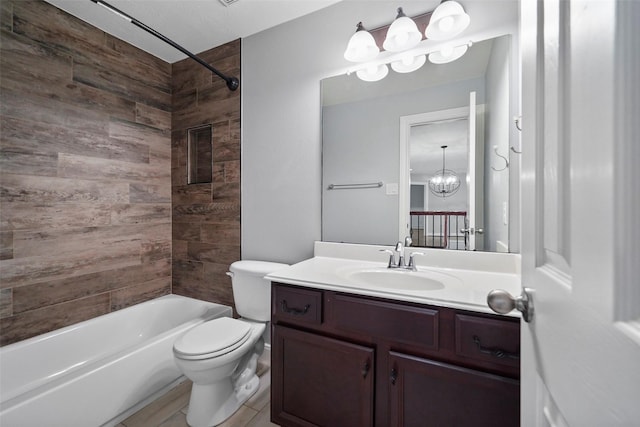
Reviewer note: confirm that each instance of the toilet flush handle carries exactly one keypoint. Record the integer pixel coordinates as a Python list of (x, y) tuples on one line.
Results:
[(228, 273)]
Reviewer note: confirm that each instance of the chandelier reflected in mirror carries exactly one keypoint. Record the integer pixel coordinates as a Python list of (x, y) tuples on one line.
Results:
[(444, 182)]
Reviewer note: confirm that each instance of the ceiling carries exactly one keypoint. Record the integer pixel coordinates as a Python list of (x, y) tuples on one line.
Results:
[(196, 25)]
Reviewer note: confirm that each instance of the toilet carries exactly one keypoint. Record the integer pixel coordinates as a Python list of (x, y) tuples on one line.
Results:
[(220, 356)]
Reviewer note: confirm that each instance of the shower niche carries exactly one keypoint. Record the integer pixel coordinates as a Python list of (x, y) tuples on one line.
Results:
[(200, 155)]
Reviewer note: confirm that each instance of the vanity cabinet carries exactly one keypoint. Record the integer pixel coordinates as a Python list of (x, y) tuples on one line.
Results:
[(342, 359)]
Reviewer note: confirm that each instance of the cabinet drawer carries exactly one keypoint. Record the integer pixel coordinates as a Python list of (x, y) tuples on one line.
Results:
[(489, 340), (296, 305), (389, 321)]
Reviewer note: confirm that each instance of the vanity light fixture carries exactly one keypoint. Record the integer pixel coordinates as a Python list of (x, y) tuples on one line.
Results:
[(408, 63), (445, 182), (448, 53), (232, 82), (362, 47), (403, 34), (404, 47), (373, 73), (448, 20)]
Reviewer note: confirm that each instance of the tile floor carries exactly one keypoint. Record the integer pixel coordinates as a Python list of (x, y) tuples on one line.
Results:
[(170, 410)]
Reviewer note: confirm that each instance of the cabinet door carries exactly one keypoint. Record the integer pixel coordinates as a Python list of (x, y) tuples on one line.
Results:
[(319, 381), (427, 393)]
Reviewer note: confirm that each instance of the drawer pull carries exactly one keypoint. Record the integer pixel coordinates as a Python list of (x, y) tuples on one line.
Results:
[(295, 311), (495, 352)]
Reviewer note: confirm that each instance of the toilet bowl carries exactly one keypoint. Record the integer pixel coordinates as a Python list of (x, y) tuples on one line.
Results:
[(220, 356)]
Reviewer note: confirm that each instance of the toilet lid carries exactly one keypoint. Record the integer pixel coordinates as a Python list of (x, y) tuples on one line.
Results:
[(213, 338)]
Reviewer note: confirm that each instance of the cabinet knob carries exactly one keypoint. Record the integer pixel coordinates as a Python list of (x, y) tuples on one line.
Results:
[(503, 302), (393, 376)]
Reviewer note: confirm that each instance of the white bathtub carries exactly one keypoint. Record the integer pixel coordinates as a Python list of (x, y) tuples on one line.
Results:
[(99, 371)]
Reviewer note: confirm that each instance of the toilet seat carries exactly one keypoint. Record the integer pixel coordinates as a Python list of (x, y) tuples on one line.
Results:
[(212, 339)]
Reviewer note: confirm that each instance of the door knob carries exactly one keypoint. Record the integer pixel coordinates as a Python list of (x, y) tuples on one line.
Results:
[(503, 302)]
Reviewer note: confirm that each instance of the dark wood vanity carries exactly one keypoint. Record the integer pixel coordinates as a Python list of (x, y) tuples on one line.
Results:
[(341, 359)]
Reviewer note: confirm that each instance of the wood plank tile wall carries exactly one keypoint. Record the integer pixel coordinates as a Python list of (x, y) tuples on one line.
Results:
[(85, 178), (206, 217)]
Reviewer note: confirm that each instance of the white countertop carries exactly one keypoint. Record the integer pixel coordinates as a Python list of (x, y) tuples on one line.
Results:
[(464, 288)]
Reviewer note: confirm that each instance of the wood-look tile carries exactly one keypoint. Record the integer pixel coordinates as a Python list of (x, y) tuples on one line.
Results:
[(19, 104), (222, 131), (218, 212), (6, 245), (18, 162), (179, 419), (25, 325), (227, 151), (19, 56), (6, 16), (36, 189), (48, 241), (152, 251), (222, 233), (162, 409), (263, 396), (223, 191), (69, 35), (192, 193), (6, 302), (121, 84), (156, 139), (262, 419), (232, 171), (210, 252), (179, 249), (186, 231), (141, 213), (140, 292), (29, 270), (154, 117), (31, 297), (149, 193), (73, 157), (240, 418), (26, 136)]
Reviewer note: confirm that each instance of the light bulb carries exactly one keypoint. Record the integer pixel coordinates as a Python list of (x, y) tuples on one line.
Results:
[(446, 24), (446, 51)]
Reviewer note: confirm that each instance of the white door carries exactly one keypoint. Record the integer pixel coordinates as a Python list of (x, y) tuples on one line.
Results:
[(580, 212)]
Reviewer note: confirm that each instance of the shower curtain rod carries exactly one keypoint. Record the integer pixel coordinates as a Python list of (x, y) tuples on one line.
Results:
[(232, 82)]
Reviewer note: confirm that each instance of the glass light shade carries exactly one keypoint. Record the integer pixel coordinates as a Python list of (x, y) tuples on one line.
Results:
[(408, 63), (448, 54), (447, 21), (403, 34), (362, 47), (373, 73), (444, 183)]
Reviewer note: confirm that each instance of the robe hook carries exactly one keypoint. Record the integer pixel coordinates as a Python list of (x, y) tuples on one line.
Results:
[(506, 161)]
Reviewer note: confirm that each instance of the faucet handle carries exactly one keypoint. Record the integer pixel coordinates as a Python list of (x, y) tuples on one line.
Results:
[(412, 263), (392, 257), (407, 241)]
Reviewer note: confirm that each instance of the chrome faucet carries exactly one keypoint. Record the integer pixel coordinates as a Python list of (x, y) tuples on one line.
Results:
[(399, 249)]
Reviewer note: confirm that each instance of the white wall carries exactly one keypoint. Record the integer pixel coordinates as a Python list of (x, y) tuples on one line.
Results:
[(281, 143)]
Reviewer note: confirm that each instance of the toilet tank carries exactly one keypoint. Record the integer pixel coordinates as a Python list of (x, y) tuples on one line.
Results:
[(251, 291)]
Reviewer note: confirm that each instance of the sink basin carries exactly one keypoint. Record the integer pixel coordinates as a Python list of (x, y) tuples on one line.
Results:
[(397, 279)]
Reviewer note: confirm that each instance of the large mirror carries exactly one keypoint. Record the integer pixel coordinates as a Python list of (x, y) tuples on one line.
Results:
[(383, 147)]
